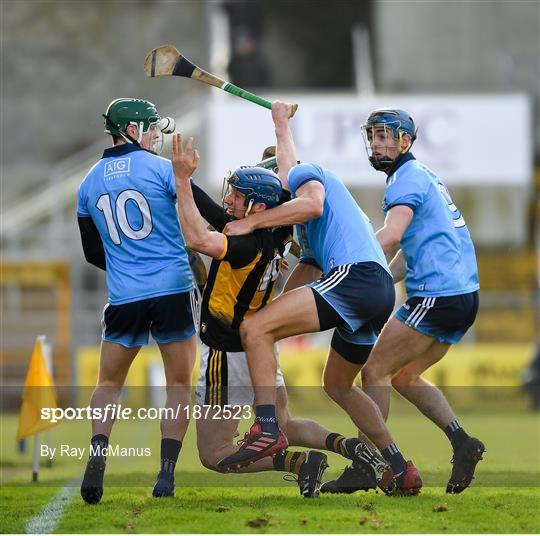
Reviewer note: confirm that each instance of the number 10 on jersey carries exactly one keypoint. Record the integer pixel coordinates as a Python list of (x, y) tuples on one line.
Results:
[(105, 204)]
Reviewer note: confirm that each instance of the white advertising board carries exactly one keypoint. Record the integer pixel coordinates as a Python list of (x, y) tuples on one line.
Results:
[(476, 140)]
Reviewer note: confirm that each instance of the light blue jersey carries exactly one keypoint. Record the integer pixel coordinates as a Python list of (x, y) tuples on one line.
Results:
[(437, 245), (343, 234), (130, 195)]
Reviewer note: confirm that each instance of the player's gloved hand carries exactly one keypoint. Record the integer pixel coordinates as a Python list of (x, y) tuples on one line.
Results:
[(239, 227), (184, 159)]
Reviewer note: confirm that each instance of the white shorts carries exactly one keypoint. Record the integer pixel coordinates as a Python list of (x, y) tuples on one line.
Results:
[(224, 378)]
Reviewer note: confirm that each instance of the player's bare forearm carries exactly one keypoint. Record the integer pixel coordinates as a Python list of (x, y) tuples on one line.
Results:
[(308, 205), (398, 267), (285, 149), (295, 211), (388, 242), (395, 224), (191, 220)]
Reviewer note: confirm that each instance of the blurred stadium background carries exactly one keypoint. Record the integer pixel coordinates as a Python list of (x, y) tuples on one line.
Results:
[(469, 73)]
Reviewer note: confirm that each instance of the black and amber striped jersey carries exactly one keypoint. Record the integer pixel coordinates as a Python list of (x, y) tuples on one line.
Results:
[(242, 281)]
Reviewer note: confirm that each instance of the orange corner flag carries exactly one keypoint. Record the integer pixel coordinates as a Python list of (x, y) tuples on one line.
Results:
[(39, 392)]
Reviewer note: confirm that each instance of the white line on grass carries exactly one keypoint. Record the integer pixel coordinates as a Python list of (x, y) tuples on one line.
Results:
[(47, 520)]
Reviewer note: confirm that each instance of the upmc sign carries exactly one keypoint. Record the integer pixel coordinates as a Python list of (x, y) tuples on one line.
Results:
[(468, 140)]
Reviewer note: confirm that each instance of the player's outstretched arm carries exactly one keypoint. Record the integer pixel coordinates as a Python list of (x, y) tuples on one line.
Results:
[(197, 236), (285, 149), (308, 204), (395, 224)]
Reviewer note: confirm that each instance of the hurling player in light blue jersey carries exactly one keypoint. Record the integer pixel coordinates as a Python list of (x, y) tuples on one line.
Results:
[(426, 238), (355, 295), (129, 227)]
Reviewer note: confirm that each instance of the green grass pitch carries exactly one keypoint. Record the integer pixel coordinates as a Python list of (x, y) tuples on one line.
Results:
[(505, 497)]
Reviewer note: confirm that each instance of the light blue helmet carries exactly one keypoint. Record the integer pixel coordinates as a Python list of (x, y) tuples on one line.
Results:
[(398, 122), (258, 184)]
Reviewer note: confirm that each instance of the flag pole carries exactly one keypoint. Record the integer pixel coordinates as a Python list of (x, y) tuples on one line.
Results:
[(47, 354), (35, 459)]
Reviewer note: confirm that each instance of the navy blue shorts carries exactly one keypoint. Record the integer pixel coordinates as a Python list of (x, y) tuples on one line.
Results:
[(169, 318), (445, 318), (362, 296), (353, 353)]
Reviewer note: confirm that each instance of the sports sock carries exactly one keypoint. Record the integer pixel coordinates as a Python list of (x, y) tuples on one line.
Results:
[(396, 461), (456, 434), (336, 443), (170, 449), (289, 461), (342, 445), (265, 415), (98, 443)]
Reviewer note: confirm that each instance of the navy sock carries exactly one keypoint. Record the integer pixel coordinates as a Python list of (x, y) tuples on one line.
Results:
[(170, 449), (265, 415), (456, 434), (98, 443), (396, 461)]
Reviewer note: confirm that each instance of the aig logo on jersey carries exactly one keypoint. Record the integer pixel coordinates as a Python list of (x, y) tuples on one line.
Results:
[(117, 167)]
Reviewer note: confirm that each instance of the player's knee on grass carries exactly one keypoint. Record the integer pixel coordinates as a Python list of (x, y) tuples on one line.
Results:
[(209, 463), (212, 446), (210, 458)]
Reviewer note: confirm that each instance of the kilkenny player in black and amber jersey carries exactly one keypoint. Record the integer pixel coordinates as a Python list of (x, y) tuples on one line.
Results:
[(241, 281)]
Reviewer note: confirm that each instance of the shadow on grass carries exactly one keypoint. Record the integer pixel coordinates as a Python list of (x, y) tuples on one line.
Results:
[(197, 479)]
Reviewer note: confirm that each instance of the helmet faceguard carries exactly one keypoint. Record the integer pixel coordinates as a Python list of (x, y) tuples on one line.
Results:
[(153, 138), (393, 124), (141, 113), (256, 184)]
